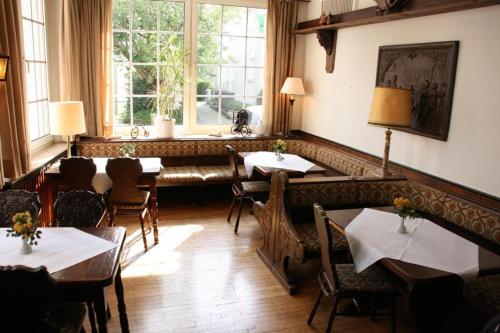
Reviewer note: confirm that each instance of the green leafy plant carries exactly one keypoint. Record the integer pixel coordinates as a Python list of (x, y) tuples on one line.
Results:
[(404, 208), (25, 227), (127, 149), (279, 146)]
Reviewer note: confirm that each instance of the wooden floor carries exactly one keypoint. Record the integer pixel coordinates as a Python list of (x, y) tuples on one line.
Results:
[(204, 278)]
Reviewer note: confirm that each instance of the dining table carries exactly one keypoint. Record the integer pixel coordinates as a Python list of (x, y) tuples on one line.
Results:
[(429, 292), (151, 167), (85, 276), (266, 171)]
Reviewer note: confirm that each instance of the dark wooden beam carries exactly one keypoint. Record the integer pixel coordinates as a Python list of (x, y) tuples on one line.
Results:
[(415, 8)]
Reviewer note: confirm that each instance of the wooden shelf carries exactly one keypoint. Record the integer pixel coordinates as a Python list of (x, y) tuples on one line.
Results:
[(416, 8)]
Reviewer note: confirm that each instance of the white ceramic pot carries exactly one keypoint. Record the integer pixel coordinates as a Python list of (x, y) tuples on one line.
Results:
[(165, 128)]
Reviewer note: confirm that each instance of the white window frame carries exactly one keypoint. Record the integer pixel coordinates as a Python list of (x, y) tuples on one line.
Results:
[(190, 125)]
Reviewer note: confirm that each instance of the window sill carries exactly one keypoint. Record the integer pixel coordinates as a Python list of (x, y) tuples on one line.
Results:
[(46, 154)]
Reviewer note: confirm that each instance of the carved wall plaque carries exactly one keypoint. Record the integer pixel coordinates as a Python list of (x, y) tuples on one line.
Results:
[(429, 71)]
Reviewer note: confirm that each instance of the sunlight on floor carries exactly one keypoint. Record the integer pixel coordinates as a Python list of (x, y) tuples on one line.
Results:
[(161, 259)]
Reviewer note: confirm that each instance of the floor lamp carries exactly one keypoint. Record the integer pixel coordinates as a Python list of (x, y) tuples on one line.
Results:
[(4, 66), (391, 108), (67, 118), (293, 86)]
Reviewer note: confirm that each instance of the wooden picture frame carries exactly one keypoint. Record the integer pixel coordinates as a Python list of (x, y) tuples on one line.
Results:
[(429, 70)]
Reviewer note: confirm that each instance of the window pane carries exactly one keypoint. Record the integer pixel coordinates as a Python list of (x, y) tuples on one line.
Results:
[(31, 81), (144, 14), (207, 110), (39, 35), (232, 80), (144, 80), (144, 109), (233, 50), (207, 80), (254, 108), (120, 14), (121, 80), (37, 10), (234, 21), (33, 120), (26, 8), (29, 53), (209, 18), (143, 47), (208, 49), (178, 111), (171, 16), (255, 52), (121, 46), (256, 22), (122, 110), (171, 80), (172, 49), (230, 104), (44, 112), (254, 82)]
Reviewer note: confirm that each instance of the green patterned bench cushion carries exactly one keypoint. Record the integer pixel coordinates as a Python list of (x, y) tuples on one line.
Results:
[(309, 235), (302, 148), (342, 162), (214, 173), (486, 290), (179, 175), (328, 194)]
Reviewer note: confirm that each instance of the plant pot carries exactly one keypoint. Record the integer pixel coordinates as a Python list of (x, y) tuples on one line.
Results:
[(165, 128), (279, 155), (25, 247), (402, 227)]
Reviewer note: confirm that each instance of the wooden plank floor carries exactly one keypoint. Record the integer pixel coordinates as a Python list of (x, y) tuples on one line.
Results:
[(204, 278)]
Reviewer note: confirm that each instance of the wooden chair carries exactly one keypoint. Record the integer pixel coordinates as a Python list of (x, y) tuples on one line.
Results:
[(125, 198), (15, 201), (248, 190), (78, 209), (342, 281), (29, 303), (77, 173)]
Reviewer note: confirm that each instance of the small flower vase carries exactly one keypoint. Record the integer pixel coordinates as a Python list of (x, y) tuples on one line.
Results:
[(402, 227), (25, 247), (279, 155)]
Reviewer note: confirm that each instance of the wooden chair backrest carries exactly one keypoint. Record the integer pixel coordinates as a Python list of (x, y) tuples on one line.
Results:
[(78, 173), (125, 173), (25, 295), (79, 209), (15, 201), (233, 162), (326, 241)]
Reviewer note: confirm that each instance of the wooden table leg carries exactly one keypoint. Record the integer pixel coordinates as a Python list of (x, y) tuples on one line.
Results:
[(100, 310), (121, 301), (154, 208)]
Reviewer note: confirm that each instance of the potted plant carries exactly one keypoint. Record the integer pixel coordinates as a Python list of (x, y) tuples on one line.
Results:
[(404, 209), (279, 148), (25, 227), (172, 80)]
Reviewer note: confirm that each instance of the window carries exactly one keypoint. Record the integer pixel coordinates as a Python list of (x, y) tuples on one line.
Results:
[(230, 61), (153, 43), (35, 57)]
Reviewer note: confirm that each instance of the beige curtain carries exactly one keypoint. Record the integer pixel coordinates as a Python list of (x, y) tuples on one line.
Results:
[(85, 67), (13, 106), (280, 49)]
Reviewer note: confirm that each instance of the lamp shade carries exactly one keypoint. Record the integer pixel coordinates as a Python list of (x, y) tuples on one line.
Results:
[(293, 86), (67, 118), (391, 107), (4, 66)]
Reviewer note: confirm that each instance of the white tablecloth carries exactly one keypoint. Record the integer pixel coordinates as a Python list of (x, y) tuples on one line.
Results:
[(58, 249), (372, 236), (268, 159)]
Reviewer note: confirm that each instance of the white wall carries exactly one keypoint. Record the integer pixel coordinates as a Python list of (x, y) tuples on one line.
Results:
[(337, 105)]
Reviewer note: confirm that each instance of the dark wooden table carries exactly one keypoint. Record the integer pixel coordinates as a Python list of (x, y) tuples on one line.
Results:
[(86, 281), (267, 172), (429, 292), (148, 179)]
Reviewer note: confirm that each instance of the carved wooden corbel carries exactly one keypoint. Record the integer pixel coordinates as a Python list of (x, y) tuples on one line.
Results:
[(328, 40)]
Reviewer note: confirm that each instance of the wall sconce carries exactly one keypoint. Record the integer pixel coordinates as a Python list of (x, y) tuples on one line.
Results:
[(4, 67)]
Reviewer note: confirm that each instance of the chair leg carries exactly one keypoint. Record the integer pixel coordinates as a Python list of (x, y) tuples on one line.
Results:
[(231, 210), (90, 309), (108, 311), (141, 218), (239, 215), (372, 308), (332, 314), (315, 307)]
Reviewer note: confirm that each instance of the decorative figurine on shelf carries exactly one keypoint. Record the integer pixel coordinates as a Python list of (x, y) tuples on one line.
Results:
[(127, 149), (322, 18), (279, 148), (240, 123), (134, 133), (330, 18), (25, 227), (405, 210)]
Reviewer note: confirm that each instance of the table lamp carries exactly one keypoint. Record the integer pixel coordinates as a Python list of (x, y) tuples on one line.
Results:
[(4, 66), (293, 86), (391, 108), (67, 118)]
